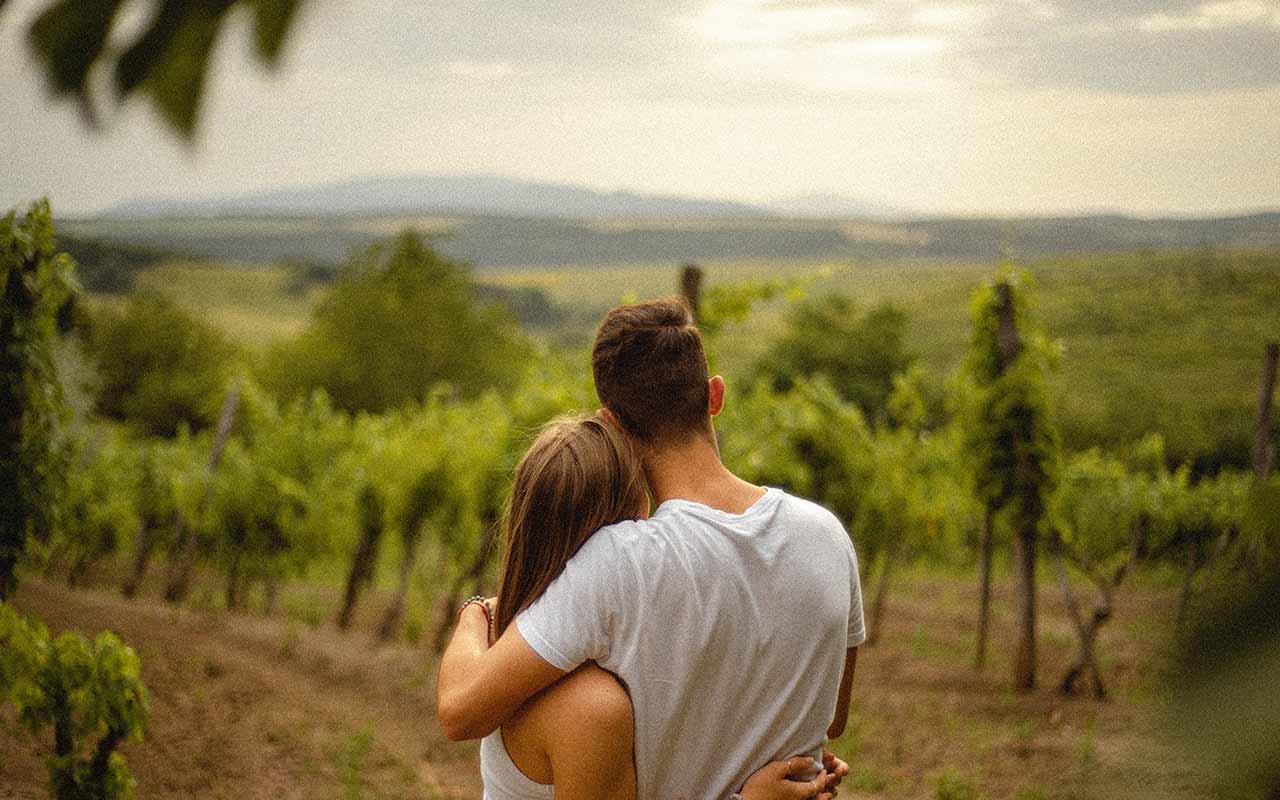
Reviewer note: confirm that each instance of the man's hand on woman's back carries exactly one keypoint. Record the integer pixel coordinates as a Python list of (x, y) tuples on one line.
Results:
[(777, 781)]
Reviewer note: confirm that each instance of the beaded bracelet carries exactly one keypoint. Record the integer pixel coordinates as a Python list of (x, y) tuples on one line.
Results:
[(483, 602)]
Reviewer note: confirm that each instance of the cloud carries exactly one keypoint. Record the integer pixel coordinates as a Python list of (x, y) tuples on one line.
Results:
[(1215, 16), (946, 104), (479, 70), (760, 21), (1144, 48), (953, 16), (1134, 47)]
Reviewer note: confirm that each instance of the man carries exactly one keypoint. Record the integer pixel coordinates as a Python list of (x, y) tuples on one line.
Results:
[(733, 614)]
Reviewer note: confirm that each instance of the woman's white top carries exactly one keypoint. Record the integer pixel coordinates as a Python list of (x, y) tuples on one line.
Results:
[(503, 780)]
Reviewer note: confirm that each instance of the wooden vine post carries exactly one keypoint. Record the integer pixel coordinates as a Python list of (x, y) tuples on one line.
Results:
[(691, 289), (185, 549), (1264, 451)]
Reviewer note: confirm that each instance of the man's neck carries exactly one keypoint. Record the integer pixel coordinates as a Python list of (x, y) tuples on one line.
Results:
[(692, 470)]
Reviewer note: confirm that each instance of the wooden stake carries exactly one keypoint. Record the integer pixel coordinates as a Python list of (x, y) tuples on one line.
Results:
[(184, 549), (691, 288), (1264, 452)]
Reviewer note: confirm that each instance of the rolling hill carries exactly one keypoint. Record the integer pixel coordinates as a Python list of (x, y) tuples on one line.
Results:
[(422, 194), (516, 241)]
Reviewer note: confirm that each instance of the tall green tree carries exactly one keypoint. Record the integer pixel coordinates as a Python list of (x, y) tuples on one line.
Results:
[(400, 319), (35, 280), (158, 367), (1011, 438), (859, 353)]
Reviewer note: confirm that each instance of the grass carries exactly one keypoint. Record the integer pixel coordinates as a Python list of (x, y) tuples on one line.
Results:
[(951, 786), (351, 763), (252, 304), (246, 704), (866, 780)]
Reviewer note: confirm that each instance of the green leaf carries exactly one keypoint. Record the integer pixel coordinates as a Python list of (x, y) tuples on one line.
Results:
[(68, 37), (172, 59), (272, 19)]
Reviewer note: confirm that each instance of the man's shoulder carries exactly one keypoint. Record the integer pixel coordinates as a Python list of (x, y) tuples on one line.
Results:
[(809, 511), (817, 520)]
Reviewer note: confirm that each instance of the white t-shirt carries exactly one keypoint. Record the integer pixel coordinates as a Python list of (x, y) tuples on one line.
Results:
[(729, 631)]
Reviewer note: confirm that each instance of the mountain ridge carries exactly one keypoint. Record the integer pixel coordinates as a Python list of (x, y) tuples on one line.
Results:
[(443, 193)]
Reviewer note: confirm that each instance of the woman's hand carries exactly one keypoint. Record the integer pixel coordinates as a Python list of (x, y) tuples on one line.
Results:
[(774, 782)]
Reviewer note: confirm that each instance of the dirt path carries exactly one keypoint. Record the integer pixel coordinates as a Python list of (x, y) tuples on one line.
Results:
[(245, 707)]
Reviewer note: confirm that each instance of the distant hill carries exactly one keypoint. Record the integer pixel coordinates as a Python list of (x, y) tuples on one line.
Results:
[(491, 241), (835, 206), (438, 194)]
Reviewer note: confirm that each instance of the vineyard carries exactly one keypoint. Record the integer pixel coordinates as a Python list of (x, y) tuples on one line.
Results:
[(308, 508)]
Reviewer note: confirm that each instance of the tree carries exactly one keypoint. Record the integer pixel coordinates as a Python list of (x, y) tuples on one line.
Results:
[(858, 353), (1012, 442), (158, 367), (167, 62), (90, 692), (399, 319), (35, 280)]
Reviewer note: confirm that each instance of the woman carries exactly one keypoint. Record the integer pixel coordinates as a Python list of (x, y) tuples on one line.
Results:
[(573, 741)]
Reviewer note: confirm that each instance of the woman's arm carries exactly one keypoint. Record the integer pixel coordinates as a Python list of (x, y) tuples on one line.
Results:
[(480, 687)]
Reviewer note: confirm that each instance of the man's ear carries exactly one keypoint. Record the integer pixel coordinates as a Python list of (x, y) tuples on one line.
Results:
[(607, 415), (715, 395)]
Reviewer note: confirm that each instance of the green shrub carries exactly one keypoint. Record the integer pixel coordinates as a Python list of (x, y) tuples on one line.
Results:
[(399, 319), (92, 695), (859, 353), (158, 367)]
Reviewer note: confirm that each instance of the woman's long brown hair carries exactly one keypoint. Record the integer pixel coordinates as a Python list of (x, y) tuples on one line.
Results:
[(579, 475)]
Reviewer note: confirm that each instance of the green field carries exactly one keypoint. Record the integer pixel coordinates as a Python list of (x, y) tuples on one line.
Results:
[(1167, 342)]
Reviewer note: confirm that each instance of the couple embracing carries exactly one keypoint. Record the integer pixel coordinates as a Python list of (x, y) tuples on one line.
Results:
[(701, 651)]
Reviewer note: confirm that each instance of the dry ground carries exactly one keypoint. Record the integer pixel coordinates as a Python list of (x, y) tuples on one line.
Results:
[(247, 707), (250, 707)]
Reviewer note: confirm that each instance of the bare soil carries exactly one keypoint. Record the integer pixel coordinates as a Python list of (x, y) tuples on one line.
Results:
[(246, 706)]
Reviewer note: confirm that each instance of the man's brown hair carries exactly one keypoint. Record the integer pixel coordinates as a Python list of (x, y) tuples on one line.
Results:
[(651, 371)]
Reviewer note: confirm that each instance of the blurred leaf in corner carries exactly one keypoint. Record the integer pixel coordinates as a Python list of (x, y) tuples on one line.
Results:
[(271, 20), (1227, 707), (169, 61)]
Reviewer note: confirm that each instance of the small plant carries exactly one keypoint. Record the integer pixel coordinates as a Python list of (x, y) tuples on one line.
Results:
[(1025, 735), (292, 639), (865, 779), (413, 626), (1087, 749), (351, 763), (309, 611), (90, 692), (950, 786)]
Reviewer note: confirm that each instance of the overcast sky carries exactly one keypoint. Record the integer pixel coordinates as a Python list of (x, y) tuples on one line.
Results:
[(989, 106)]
